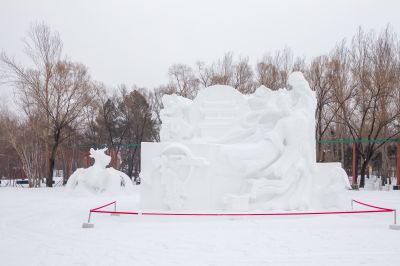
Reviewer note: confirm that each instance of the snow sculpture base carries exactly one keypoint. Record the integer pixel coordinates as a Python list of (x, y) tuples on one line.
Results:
[(228, 151), (175, 179), (87, 225), (394, 226)]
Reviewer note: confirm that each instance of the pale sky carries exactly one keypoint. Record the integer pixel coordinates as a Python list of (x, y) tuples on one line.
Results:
[(134, 42)]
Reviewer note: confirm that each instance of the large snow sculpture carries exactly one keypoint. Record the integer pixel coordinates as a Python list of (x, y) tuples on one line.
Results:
[(228, 151), (98, 178)]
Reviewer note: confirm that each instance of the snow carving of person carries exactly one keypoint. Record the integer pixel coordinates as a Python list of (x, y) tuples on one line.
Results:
[(175, 125), (176, 164), (286, 183), (266, 108)]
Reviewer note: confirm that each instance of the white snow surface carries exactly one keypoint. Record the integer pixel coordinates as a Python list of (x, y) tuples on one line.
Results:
[(99, 179), (228, 151), (43, 227)]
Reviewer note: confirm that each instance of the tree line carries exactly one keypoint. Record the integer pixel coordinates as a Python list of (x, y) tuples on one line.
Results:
[(63, 110)]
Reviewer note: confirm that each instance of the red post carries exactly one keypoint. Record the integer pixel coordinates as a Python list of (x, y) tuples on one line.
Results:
[(398, 167), (354, 168)]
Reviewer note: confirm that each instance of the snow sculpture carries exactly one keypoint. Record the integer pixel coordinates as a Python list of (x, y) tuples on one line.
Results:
[(228, 151), (98, 178)]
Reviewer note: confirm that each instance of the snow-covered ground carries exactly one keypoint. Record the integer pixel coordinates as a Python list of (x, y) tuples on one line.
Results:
[(43, 227)]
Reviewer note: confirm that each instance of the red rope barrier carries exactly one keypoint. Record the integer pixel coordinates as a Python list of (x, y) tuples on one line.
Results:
[(372, 206), (112, 212), (377, 209), (259, 214), (101, 207)]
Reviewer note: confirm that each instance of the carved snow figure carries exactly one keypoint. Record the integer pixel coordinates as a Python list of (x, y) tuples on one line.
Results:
[(98, 178), (260, 150), (286, 182), (175, 118), (175, 166)]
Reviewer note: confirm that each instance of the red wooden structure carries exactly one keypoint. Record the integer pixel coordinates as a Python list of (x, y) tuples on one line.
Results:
[(354, 167), (397, 187)]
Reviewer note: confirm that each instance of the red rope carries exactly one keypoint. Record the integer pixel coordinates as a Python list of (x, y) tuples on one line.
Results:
[(372, 206), (112, 212), (259, 214), (101, 207), (378, 209)]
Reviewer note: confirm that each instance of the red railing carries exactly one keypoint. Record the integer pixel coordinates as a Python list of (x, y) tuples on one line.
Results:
[(375, 209)]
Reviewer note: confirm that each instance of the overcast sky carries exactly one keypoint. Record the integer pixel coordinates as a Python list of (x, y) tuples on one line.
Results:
[(134, 42)]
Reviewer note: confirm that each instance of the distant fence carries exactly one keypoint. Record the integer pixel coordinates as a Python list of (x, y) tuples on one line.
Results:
[(17, 182)]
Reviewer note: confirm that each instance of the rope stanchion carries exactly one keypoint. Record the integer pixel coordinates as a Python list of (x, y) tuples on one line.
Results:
[(91, 225), (375, 209)]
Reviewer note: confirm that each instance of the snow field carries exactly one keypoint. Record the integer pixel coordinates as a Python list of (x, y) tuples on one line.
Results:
[(43, 227)]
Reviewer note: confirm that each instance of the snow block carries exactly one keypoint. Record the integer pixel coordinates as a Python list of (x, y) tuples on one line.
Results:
[(229, 151)]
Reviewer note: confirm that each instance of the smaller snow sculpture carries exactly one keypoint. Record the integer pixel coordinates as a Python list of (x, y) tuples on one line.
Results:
[(98, 178)]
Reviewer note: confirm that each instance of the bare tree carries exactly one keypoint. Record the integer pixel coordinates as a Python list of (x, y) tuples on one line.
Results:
[(273, 69), (243, 76), (56, 89), (204, 74), (22, 136), (222, 71), (372, 111), (328, 76), (10, 163), (183, 80)]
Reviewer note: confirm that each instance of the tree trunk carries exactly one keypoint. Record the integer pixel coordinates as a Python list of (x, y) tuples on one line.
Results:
[(363, 170), (342, 159), (318, 151), (354, 166), (52, 159), (49, 180), (31, 182), (130, 164), (321, 153)]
